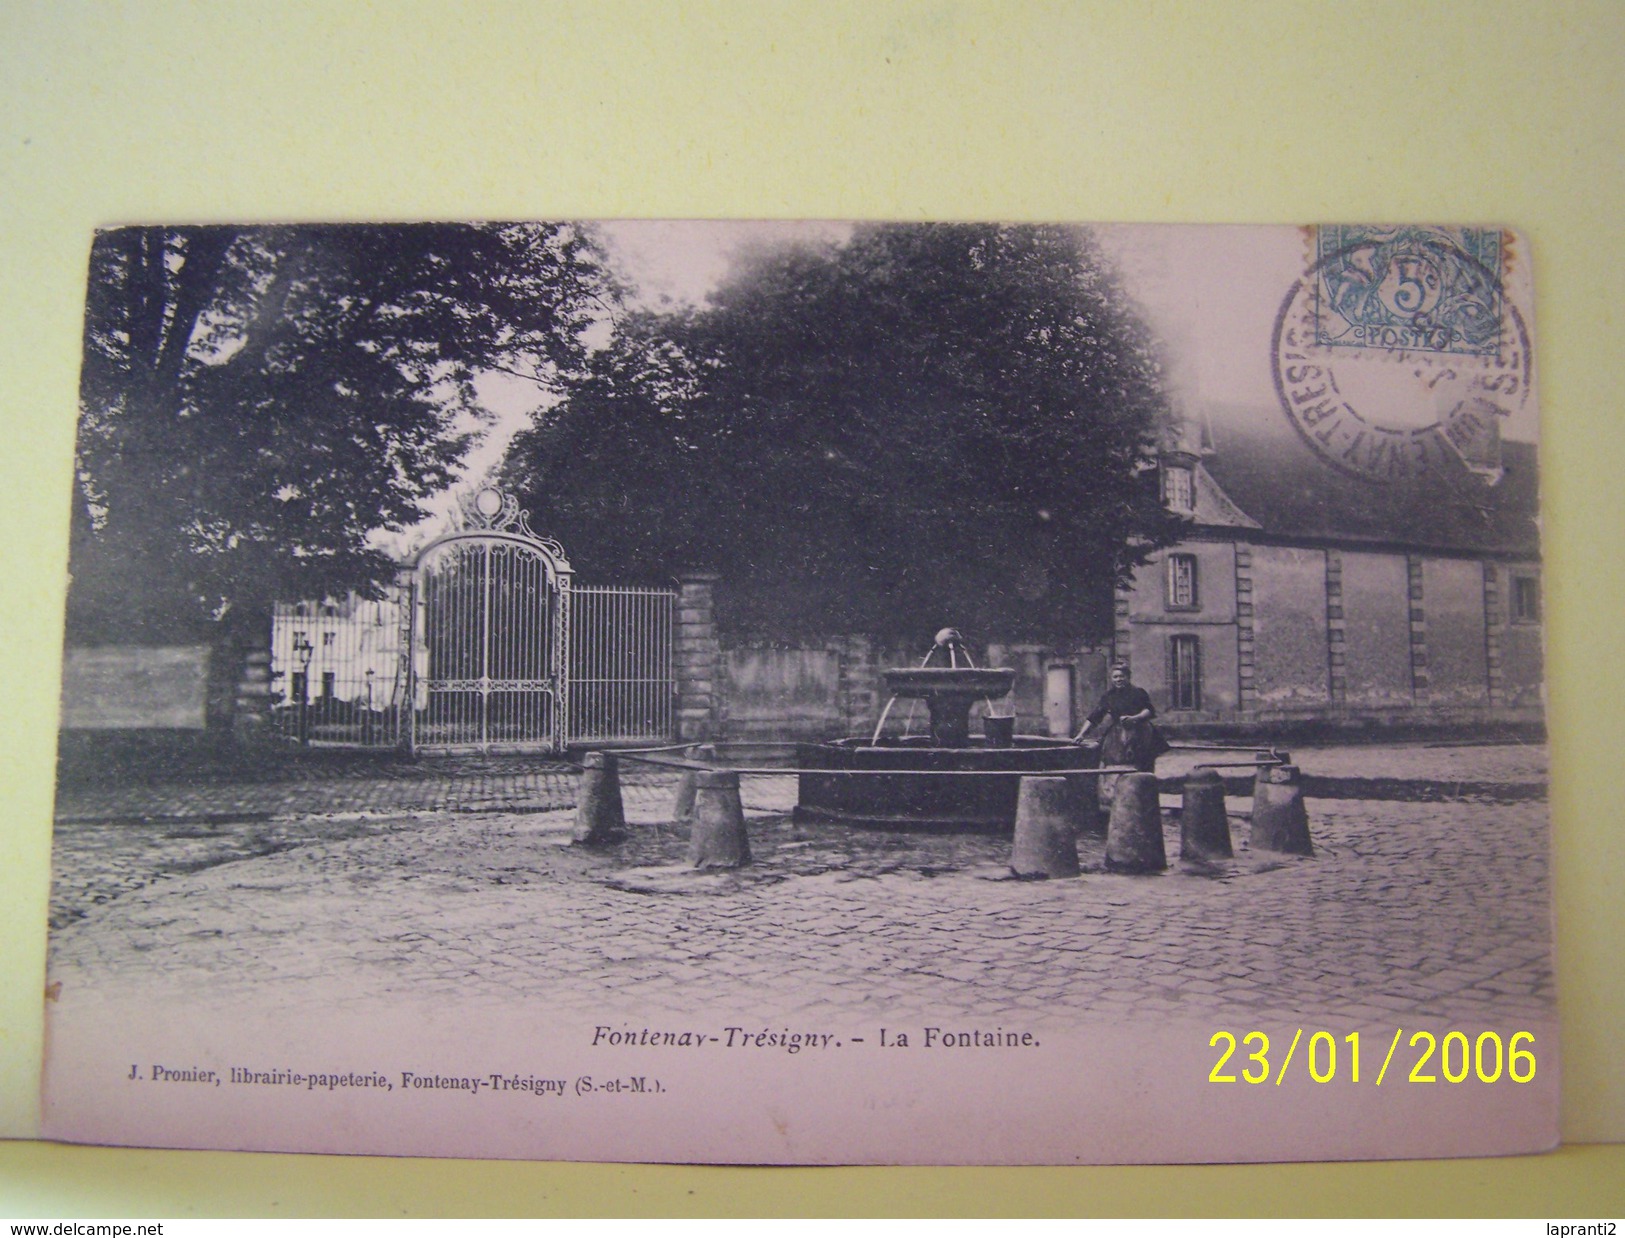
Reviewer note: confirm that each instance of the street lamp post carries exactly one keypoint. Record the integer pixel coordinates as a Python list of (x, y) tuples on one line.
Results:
[(304, 651)]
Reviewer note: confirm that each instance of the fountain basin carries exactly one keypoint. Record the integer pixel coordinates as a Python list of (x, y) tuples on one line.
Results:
[(915, 784)]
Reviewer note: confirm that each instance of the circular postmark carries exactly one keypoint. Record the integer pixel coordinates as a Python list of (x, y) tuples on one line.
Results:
[(1398, 353)]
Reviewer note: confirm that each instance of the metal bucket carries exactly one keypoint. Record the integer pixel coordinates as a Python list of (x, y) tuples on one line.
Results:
[(999, 732)]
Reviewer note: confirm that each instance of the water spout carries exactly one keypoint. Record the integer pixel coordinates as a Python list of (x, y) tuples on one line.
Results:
[(955, 645), (874, 740), (913, 702)]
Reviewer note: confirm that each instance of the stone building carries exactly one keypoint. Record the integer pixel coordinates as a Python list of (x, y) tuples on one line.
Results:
[(1301, 593)]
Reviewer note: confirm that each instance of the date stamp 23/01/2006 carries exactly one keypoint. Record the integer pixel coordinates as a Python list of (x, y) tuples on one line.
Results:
[(1486, 1057)]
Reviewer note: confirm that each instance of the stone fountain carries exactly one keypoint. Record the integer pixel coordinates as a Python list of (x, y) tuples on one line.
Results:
[(947, 779), (949, 692)]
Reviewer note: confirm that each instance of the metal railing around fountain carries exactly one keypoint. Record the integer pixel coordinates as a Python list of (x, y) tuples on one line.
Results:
[(1263, 756), (659, 756), (1048, 815)]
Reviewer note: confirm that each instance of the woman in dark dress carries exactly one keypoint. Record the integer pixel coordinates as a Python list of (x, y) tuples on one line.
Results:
[(1126, 711)]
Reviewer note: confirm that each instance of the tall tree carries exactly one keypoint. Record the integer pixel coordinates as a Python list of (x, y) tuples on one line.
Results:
[(256, 401), (926, 424)]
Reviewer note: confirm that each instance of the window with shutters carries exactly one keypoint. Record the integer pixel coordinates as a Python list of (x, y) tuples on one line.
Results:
[(1525, 599), (1184, 673), (1181, 584)]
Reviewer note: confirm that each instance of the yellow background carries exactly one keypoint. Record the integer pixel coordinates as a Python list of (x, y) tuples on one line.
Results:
[(1270, 112)]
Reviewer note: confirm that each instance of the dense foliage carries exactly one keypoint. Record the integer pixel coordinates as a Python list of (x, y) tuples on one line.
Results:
[(256, 401), (925, 424)]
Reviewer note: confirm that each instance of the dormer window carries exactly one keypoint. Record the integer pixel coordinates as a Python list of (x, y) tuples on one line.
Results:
[(1178, 487)]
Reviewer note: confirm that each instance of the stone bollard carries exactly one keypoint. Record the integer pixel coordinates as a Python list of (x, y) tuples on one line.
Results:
[(1280, 821), (1204, 830), (1046, 840), (600, 818), (1134, 833), (717, 836), (682, 811)]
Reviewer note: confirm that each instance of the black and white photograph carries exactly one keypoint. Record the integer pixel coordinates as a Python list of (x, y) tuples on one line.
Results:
[(811, 692)]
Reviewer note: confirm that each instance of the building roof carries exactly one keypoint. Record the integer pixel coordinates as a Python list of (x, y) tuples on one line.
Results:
[(1269, 473)]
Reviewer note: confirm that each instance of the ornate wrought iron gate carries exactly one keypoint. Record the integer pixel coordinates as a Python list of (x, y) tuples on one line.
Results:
[(622, 685), (338, 672), (491, 620), (485, 645)]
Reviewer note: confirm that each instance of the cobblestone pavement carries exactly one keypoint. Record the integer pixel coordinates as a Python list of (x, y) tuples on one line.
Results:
[(1411, 907), (525, 783), (114, 838), (111, 839), (1438, 763)]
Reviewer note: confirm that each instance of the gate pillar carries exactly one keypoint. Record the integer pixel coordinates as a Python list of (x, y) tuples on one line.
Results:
[(699, 656)]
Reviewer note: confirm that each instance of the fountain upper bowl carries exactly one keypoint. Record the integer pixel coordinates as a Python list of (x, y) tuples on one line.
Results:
[(923, 682)]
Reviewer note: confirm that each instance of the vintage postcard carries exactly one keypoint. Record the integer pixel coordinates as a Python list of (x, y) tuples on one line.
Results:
[(807, 693)]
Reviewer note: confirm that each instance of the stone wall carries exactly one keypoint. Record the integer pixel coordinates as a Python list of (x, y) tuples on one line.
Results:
[(1309, 634), (1215, 586), (1453, 610), (1291, 657), (132, 687), (219, 686), (1376, 630), (1221, 593), (778, 692), (1517, 651)]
